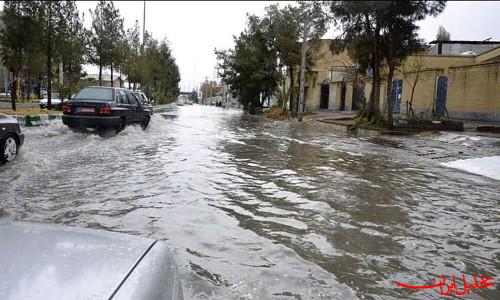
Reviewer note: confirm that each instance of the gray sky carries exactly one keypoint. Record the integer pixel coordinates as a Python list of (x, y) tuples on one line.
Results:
[(194, 29)]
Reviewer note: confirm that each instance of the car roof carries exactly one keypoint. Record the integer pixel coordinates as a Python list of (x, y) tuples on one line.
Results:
[(51, 261)]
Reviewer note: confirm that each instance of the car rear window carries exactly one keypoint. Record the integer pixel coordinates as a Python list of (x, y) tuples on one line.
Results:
[(95, 94)]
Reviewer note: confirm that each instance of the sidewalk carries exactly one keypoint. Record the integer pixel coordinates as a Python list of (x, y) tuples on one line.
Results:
[(331, 115), (345, 118)]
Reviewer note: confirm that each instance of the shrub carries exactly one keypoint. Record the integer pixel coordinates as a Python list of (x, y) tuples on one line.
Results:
[(275, 113)]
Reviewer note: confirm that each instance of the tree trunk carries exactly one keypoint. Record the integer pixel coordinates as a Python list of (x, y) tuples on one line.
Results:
[(49, 61), (390, 108), (13, 95), (302, 72), (29, 86), (390, 63), (292, 94), (373, 107), (410, 104), (39, 91), (111, 83), (100, 71)]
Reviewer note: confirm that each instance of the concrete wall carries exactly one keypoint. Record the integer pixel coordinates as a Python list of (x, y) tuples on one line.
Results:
[(474, 91)]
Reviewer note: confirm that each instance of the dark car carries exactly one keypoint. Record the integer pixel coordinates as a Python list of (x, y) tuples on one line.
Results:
[(145, 101), (11, 138), (105, 109)]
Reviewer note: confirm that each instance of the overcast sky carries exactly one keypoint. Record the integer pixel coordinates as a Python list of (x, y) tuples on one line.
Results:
[(195, 29)]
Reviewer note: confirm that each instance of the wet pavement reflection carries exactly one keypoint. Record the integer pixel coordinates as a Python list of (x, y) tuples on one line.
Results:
[(261, 209)]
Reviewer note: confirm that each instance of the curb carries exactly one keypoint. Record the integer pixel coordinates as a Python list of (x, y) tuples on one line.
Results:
[(36, 120)]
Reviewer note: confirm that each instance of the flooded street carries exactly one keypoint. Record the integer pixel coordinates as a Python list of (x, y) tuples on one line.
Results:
[(258, 209)]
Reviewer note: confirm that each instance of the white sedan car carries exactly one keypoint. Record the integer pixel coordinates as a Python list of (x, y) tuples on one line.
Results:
[(55, 101)]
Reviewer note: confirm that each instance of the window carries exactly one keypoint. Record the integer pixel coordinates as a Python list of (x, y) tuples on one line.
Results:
[(95, 94), (132, 99), (121, 97), (141, 97)]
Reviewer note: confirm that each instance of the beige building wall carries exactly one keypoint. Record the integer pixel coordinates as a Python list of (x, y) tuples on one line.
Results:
[(473, 90)]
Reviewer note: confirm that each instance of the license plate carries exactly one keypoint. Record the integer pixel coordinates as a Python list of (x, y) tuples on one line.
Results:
[(85, 109)]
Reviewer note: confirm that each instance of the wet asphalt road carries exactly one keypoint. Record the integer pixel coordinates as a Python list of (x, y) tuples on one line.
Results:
[(257, 209)]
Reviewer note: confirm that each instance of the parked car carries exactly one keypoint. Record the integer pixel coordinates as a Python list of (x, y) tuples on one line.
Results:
[(105, 109), (11, 138), (40, 261), (145, 101), (55, 102)]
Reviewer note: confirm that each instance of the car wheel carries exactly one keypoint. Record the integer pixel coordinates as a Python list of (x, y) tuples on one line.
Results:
[(145, 123), (78, 129), (122, 125), (104, 132), (9, 148)]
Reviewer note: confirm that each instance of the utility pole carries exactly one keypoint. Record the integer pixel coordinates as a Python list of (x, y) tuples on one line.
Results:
[(206, 89), (303, 70), (144, 22)]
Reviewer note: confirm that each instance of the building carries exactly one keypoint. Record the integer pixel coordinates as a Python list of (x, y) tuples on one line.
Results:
[(461, 82), (106, 79), (461, 47)]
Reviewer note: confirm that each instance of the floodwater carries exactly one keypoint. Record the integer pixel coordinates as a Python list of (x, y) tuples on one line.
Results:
[(258, 209)]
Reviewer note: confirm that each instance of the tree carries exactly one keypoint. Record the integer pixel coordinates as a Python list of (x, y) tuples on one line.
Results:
[(72, 50), (313, 24), (442, 35), (106, 37), (61, 33), (113, 25), (251, 67), (412, 71), (361, 26), (283, 33), (378, 30), (400, 37), (157, 71), (18, 40), (132, 47)]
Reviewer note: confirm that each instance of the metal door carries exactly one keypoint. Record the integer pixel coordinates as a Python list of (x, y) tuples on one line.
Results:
[(397, 92), (342, 97), (441, 89), (325, 94)]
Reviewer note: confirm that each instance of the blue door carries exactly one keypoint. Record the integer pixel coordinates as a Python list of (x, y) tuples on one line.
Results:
[(397, 91), (442, 86)]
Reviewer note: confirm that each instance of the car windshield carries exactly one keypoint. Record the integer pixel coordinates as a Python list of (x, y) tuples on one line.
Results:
[(95, 94)]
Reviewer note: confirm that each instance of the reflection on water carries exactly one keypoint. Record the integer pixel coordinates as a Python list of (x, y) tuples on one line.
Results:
[(256, 209)]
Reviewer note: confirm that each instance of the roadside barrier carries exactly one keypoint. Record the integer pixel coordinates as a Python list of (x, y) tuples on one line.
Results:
[(36, 120)]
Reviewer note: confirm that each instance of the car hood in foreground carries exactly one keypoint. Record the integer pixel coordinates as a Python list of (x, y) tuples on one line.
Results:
[(57, 262)]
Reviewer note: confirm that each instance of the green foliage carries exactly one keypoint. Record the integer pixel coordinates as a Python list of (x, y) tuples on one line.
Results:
[(72, 51), (442, 35), (156, 70), (254, 67), (374, 31), (250, 68), (19, 40), (107, 37)]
